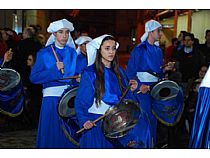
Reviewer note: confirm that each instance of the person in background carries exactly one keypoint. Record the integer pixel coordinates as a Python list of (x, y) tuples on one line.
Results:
[(81, 54), (205, 48), (169, 50)]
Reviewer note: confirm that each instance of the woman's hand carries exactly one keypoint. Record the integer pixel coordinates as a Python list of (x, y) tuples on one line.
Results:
[(89, 124), (144, 89), (8, 56), (133, 84), (78, 79)]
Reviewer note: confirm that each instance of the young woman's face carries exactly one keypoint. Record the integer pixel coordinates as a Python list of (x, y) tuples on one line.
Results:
[(62, 36), (108, 51), (30, 61)]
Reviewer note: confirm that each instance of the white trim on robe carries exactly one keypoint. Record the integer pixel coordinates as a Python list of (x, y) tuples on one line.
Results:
[(103, 107)]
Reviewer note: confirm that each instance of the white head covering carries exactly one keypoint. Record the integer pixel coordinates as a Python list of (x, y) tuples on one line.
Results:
[(150, 25), (93, 46), (57, 25), (80, 40), (206, 80)]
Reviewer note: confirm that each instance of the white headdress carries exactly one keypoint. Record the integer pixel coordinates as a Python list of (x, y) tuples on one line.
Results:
[(150, 25), (80, 40), (57, 25), (93, 46)]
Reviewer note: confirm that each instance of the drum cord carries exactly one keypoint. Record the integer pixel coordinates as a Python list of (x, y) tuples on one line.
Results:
[(68, 136), (10, 114)]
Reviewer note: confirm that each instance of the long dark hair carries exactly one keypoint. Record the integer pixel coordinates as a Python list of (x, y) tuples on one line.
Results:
[(99, 68)]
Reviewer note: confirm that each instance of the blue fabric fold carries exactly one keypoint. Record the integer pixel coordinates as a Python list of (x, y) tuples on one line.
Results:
[(200, 135)]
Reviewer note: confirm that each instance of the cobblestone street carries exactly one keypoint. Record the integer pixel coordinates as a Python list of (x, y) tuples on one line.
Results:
[(20, 139)]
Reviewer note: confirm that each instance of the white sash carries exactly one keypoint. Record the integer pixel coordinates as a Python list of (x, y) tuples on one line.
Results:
[(56, 91), (146, 77), (103, 107)]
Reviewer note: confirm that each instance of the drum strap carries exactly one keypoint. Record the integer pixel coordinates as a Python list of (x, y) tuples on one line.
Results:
[(56, 91)]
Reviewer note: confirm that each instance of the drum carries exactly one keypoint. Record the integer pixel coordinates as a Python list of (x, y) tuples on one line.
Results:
[(125, 126), (167, 104), (11, 92), (67, 115)]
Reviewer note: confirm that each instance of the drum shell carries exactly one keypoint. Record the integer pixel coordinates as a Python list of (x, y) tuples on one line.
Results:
[(69, 122), (169, 111), (139, 135), (12, 99)]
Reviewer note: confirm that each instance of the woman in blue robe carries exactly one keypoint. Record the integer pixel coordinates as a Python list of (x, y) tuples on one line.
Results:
[(101, 87), (47, 71), (200, 133), (145, 63)]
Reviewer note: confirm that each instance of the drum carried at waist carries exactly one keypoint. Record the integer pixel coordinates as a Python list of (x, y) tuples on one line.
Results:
[(167, 105), (11, 92), (68, 116), (124, 126)]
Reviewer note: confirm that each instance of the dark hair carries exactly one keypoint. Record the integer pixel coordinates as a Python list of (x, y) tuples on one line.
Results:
[(207, 31), (190, 35), (30, 31), (99, 68), (174, 40)]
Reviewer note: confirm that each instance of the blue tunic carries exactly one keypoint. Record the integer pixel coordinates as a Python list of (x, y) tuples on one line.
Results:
[(81, 63), (200, 135), (45, 72), (146, 58), (94, 138)]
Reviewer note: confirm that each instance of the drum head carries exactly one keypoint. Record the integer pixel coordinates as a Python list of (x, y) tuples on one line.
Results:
[(165, 90), (66, 104), (120, 119), (9, 79)]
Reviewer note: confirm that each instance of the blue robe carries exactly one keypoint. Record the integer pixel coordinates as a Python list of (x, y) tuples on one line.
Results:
[(200, 135), (81, 63), (94, 138), (146, 58), (45, 72)]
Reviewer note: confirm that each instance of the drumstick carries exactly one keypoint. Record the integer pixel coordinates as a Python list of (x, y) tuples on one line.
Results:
[(124, 94), (96, 120), (70, 77), (140, 91), (101, 117), (56, 57), (10, 51)]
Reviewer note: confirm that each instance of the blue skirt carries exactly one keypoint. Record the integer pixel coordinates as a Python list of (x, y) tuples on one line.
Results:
[(94, 138), (145, 102), (50, 133)]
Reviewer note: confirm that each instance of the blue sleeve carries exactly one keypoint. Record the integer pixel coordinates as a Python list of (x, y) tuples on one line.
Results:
[(132, 66), (41, 74), (84, 98)]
